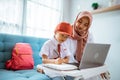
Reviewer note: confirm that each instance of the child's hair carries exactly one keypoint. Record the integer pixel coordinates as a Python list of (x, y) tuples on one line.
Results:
[(64, 28)]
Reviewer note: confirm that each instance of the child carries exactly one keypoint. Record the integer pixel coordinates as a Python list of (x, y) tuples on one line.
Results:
[(50, 52)]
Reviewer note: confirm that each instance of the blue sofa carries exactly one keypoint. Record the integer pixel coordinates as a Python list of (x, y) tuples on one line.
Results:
[(7, 42)]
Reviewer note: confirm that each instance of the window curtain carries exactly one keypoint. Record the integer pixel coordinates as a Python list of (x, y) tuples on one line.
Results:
[(10, 16), (42, 17)]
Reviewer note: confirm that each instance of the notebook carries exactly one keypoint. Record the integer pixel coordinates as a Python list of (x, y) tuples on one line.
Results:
[(94, 55), (61, 67)]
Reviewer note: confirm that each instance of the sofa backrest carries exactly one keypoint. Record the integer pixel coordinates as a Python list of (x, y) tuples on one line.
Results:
[(7, 42)]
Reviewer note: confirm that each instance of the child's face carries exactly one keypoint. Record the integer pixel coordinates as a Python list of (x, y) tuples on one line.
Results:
[(61, 37), (82, 24)]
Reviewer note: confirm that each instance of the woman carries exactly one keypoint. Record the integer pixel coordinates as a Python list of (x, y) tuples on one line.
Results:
[(81, 36)]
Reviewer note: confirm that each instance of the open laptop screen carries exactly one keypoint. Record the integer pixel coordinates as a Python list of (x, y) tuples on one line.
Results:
[(94, 55)]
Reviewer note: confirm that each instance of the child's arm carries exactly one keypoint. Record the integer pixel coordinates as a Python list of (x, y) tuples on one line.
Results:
[(45, 60)]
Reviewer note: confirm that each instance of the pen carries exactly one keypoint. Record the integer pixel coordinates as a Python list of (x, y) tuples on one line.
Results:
[(57, 53)]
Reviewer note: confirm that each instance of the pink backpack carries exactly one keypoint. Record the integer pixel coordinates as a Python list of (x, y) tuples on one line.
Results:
[(21, 57)]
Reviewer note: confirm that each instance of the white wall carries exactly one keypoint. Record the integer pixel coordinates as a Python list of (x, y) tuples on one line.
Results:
[(105, 29), (82, 5), (66, 10)]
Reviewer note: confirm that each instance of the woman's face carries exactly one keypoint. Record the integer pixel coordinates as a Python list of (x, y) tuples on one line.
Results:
[(82, 25), (61, 37)]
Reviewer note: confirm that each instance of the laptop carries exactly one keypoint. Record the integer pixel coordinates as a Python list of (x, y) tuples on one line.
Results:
[(92, 61), (94, 55)]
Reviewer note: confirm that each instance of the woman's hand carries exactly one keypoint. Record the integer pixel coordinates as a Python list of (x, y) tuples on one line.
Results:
[(105, 76)]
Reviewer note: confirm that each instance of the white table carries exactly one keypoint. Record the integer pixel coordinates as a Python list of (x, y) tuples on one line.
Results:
[(78, 74)]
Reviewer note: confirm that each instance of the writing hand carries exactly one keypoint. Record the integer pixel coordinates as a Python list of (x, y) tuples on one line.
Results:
[(58, 61)]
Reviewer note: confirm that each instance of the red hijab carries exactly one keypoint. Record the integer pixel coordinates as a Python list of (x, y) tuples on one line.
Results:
[(83, 36)]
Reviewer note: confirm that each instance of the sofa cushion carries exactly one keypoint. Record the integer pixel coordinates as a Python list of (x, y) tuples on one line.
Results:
[(22, 75)]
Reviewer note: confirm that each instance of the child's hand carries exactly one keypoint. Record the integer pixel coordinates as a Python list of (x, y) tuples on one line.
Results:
[(58, 61)]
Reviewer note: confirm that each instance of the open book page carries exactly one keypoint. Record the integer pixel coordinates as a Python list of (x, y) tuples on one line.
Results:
[(61, 67)]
